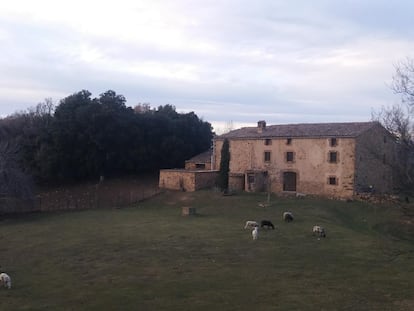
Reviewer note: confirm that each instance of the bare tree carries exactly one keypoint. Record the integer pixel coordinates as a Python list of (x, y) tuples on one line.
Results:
[(403, 81), (397, 120), (229, 126), (400, 118)]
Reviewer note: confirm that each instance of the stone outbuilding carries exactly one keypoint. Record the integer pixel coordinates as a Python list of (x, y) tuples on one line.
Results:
[(198, 174), (201, 161)]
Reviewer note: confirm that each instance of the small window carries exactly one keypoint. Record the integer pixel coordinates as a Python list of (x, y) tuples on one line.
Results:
[(385, 139), (289, 141), (333, 157), (267, 156), (268, 142), (332, 180), (200, 166), (290, 156), (334, 142)]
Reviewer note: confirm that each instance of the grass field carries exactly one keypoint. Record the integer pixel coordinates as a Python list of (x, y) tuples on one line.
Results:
[(149, 257)]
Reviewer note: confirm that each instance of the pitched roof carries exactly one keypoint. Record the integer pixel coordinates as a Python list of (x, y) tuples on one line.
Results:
[(308, 130), (204, 157)]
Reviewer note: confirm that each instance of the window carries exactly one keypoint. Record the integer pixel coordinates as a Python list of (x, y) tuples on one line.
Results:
[(267, 156), (333, 157), (333, 142), (332, 180), (268, 142), (385, 139), (289, 141), (200, 166), (290, 156)]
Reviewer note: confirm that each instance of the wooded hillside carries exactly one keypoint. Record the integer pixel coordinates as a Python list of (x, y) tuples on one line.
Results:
[(83, 138)]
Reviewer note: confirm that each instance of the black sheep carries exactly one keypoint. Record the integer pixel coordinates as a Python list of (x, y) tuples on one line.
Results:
[(267, 223)]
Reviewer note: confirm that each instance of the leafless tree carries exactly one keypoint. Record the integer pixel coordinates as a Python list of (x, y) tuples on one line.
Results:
[(397, 120), (403, 81)]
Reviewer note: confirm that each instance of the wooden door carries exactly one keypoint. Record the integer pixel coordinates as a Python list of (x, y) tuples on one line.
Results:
[(289, 181)]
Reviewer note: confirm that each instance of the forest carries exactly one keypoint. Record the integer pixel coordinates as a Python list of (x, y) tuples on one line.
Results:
[(83, 138)]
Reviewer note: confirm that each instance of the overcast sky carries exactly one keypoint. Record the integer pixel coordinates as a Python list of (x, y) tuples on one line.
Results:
[(228, 61)]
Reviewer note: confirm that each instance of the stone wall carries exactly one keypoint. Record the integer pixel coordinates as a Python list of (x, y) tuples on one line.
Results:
[(187, 180), (376, 161), (15, 206)]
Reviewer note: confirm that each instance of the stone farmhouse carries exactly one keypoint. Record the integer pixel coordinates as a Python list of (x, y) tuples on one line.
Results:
[(328, 159)]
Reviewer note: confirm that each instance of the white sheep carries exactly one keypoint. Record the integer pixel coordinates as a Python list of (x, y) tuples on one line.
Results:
[(251, 224), (255, 233), (5, 280), (320, 231)]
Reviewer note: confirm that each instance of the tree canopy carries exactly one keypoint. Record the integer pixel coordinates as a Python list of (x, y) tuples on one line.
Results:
[(84, 137)]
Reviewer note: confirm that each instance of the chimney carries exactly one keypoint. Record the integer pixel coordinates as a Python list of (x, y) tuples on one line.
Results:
[(261, 126)]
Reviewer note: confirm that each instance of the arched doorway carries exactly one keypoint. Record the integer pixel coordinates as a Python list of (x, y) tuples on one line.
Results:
[(289, 181)]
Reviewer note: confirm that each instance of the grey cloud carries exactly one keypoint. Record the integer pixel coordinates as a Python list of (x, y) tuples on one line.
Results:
[(286, 60)]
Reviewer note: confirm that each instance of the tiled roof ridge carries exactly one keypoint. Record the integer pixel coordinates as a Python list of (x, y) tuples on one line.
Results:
[(331, 129), (203, 156)]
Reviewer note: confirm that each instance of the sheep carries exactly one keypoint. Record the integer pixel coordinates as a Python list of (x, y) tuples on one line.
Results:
[(267, 223), (251, 224), (5, 280), (255, 233), (320, 231), (287, 216)]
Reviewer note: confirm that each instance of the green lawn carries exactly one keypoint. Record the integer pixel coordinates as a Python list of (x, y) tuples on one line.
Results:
[(149, 257)]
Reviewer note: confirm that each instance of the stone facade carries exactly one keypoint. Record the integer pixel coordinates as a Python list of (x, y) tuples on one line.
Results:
[(376, 161), (187, 180), (334, 160)]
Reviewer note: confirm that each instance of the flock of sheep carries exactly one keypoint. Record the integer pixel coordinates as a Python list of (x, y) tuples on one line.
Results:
[(5, 279), (288, 217)]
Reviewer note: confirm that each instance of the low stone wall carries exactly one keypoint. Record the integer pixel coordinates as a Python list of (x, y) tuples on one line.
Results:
[(109, 193), (16, 206)]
